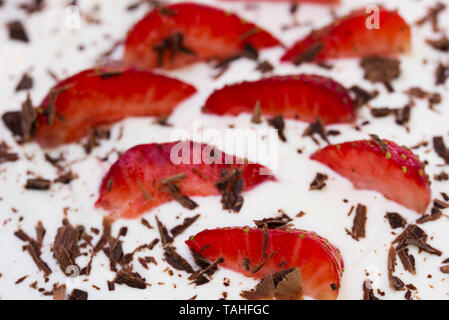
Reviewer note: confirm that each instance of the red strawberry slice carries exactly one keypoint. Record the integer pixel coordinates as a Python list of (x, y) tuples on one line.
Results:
[(349, 37), (306, 97), (243, 251), (383, 166), (102, 96), (178, 34), (137, 182)]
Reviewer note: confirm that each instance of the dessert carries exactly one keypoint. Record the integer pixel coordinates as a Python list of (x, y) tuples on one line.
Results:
[(388, 226)]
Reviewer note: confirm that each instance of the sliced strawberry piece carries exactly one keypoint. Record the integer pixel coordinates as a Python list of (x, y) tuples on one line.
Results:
[(136, 183), (243, 251), (101, 96), (306, 97), (175, 35), (349, 37), (383, 166)]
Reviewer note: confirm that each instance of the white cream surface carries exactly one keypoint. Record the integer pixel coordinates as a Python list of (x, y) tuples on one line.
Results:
[(55, 47)]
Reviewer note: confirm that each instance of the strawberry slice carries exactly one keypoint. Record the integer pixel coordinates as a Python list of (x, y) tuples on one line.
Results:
[(244, 251), (147, 176), (176, 35), (102, 96), (383, 166), (350, 37), (306, 97)]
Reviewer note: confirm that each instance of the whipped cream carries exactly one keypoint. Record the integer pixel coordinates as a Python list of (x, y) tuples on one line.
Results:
[(64, 50)]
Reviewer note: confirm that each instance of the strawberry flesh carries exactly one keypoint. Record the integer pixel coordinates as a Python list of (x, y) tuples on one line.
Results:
[(103, 96), (304, 97), (243, 251), (135, 182), (179, 34), (349, 37), (389, 169)]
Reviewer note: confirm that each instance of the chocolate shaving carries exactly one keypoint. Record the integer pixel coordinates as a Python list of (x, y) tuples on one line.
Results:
[(274, 222), (203, 263), (177, 230), (78, 295), (94, 138), (309, 53), (175, 260), (407, 260), (17, 31), (38, 184), (25, 83), (432, 16), (6, 156), (282, 285), (381, 69), (441, 44), (441, 74), (359, 224), (264, 67), (34, 247), (395, 283), (396, 220), (434, 215), (65, 247), (146, 223), (319, 182), (278, 123), (173, 44), (182, 199), (368, 292), (230, 185), (59, 292), (444, 269), (440, 149), (165, 237), (106, 235), (318, 128), (65, 178), (442, 176), (198, 277), (129, 278), (257, 113), (362, 96)]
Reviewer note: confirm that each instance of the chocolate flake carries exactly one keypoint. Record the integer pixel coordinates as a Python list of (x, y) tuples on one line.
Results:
[(6, 156), (441, 44), (25, 83), (319, 182), (368, 292), (17, 31), (440, 149), (309, 53), (362, 96), (444, 269), (165, 237), (265, 67), (381, 69), (257, 113), (230, 185), (359, 224), (432, 16), (34, 247), (182, 199), (129, 278), (198, 277), (146, 223), (78, 295), (177, 230), (273, 222), (174, 45), (396, 220), (441, 74), (38, 184), (175, 260), (282, 285), (395, 283), (278, 123), (318, 128), (65, 247), (407, 260)]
